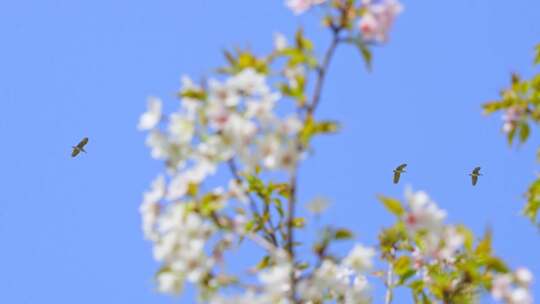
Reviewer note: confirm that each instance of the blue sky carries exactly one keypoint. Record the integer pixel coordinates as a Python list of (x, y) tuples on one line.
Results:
[(69, 228)]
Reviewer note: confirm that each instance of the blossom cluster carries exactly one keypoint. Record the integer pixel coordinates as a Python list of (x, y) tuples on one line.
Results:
[(343, 281), (513, 288), (376, 16), (428, 252)]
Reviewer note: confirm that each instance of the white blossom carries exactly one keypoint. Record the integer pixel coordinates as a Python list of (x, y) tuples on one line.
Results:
[(181, 128), (300, 6), (150, 207), (158, 144), (223, 93), (152, 116), (360, 258), (423, 213), (280, 42), (168, 282), (318, 205), (523, 276), (249, 82)]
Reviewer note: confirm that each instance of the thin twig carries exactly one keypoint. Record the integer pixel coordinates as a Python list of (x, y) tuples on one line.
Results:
[(290, 231), (322, 70), (321, 73), (389, 280)]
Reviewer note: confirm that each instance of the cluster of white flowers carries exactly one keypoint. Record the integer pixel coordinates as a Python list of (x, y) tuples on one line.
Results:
[(378, 18), (236, 119), (181, 247), (513, 288), (300, 6), (441, 242), (231, 119), (345, 281)]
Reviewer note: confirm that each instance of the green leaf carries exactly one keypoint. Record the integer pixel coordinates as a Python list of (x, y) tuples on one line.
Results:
[(326, 126), (265, 262), (279, 206), (510, 136), (193, 94), (492, 106), (393, 205), (483, 249), (537, 57), (298, 222), (364, 51), (497, 265), (403, 268), (524, 132), (343, 234)]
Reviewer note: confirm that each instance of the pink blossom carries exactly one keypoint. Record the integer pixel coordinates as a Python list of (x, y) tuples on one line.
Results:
[(378, 19), (300, 6)]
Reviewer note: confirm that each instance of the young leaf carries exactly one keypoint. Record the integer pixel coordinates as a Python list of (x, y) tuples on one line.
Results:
[(484, 247), (364, 51), (524, 132), (298, 222), (263, 263), (343, 234), (393, 205)]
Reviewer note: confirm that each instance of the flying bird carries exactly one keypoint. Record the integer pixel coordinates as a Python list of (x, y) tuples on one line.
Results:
[(397, 172), (474, 175), (79, 147)]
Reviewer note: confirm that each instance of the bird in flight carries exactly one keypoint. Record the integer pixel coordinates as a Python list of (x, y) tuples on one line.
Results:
[(397, 172), (474, 175), (79, 147)]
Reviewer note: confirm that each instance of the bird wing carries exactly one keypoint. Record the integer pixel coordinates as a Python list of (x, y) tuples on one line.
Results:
[(476, 170), (396, 176), (75, 152), (83, 142), (401, 167), (474, 179)]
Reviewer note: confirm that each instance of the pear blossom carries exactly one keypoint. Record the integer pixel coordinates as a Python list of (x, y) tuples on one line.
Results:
[(280, 42), (331, 280), (158, 143), (378, 19), (423, 213), (150, 207), (318, 205), (453, 241), (248, 82), (360, 258), (503, 288), (300, 6), (223, 93), (358, 293), (521, 295), (511, 117), (276, 280), (152, 116), (168, 282), (293, 73), (182, 238), (523, 276), (179, 185), (181, 128)]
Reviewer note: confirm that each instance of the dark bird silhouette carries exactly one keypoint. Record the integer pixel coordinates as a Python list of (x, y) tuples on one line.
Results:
[(397, 172), (79, 147), (474, 175)]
